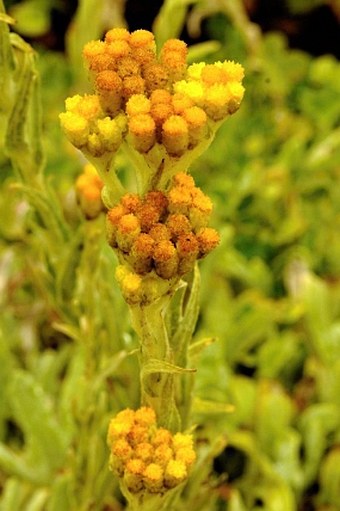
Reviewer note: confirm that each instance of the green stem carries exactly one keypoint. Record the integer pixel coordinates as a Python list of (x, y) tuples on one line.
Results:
[(113, 188), (157, 382)]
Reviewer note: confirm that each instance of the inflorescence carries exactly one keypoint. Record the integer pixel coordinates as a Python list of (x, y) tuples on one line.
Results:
[(161, 234), (146, 457), (149, 99)]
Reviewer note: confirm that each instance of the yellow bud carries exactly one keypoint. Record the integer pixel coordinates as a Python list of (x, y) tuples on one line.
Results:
[(72, 103), (153, 478), (187, 455), (109, 134), (156, 77), (130, 284), (180, 200), (95, 146), (194, 90), (196, 120), (89, 107), (92, 50), (175, 135), (163, 454), (162, 436), (187, 250), (109, 85), (144, 451), (142, 130), (200, 210), (160, 96), (127, 66), (181, 102), (88, 189), (216, 101), (118, 49), (145, 416), (133, 475), (76, 128), (236, 92), (121, 448), (142, 39), (181, 440), (208, 239), (178, 224), (138, 434), (194, 71), (175, 473), (185, 180), (165, 259), (127, 231), (212, 74), (119, 427), (138, 104), (132, 85), (117, 34), (233, 70)]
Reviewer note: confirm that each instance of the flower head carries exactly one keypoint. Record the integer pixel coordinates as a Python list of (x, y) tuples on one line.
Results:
[(148, 458), (165, 102), (161, 234)]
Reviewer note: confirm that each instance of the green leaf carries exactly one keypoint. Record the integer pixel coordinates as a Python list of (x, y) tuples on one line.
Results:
[(32, 17), (174, 10), (203, 406), (197, 347), (61, 494), (24, 133), (188, 318), (154, 365), (13, 495), (14, 464), (46, 441)]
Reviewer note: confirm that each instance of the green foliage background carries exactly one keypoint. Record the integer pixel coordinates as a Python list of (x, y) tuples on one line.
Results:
[(270, 299)]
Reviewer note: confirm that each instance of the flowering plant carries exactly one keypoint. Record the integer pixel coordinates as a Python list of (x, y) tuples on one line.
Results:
[(164, 114)]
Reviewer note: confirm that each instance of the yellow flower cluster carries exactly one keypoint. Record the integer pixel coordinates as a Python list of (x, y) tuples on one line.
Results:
[(87, 127), (88, 190), (164, 233), (150, 99), (146, 457)]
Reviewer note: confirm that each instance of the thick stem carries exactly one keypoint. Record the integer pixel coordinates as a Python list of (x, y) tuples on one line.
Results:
[(157, 382)]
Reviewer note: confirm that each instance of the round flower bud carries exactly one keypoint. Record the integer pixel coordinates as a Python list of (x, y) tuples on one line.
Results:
[(175, 135)]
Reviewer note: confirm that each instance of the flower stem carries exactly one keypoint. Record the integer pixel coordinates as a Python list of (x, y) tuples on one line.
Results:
[(157, 382)]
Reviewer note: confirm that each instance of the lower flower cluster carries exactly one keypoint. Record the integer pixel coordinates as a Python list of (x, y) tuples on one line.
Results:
[(162, 233), (146, 457)]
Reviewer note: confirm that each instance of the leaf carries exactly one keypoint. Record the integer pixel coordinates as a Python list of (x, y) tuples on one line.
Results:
[(14, 464), (13, 494), (32, 17), (46, 442), (6, 68), (61, 494), (154, 365), (211, 407), (174, 10), (198, 346), (183, 335), (66, 269), (38, 501), (24, 133), (200, 51)]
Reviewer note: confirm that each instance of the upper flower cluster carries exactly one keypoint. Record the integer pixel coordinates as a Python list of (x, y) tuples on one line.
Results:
[(149, 99), (146, 457)]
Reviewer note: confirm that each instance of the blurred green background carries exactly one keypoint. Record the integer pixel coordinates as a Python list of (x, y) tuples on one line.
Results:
[(270, 298)]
